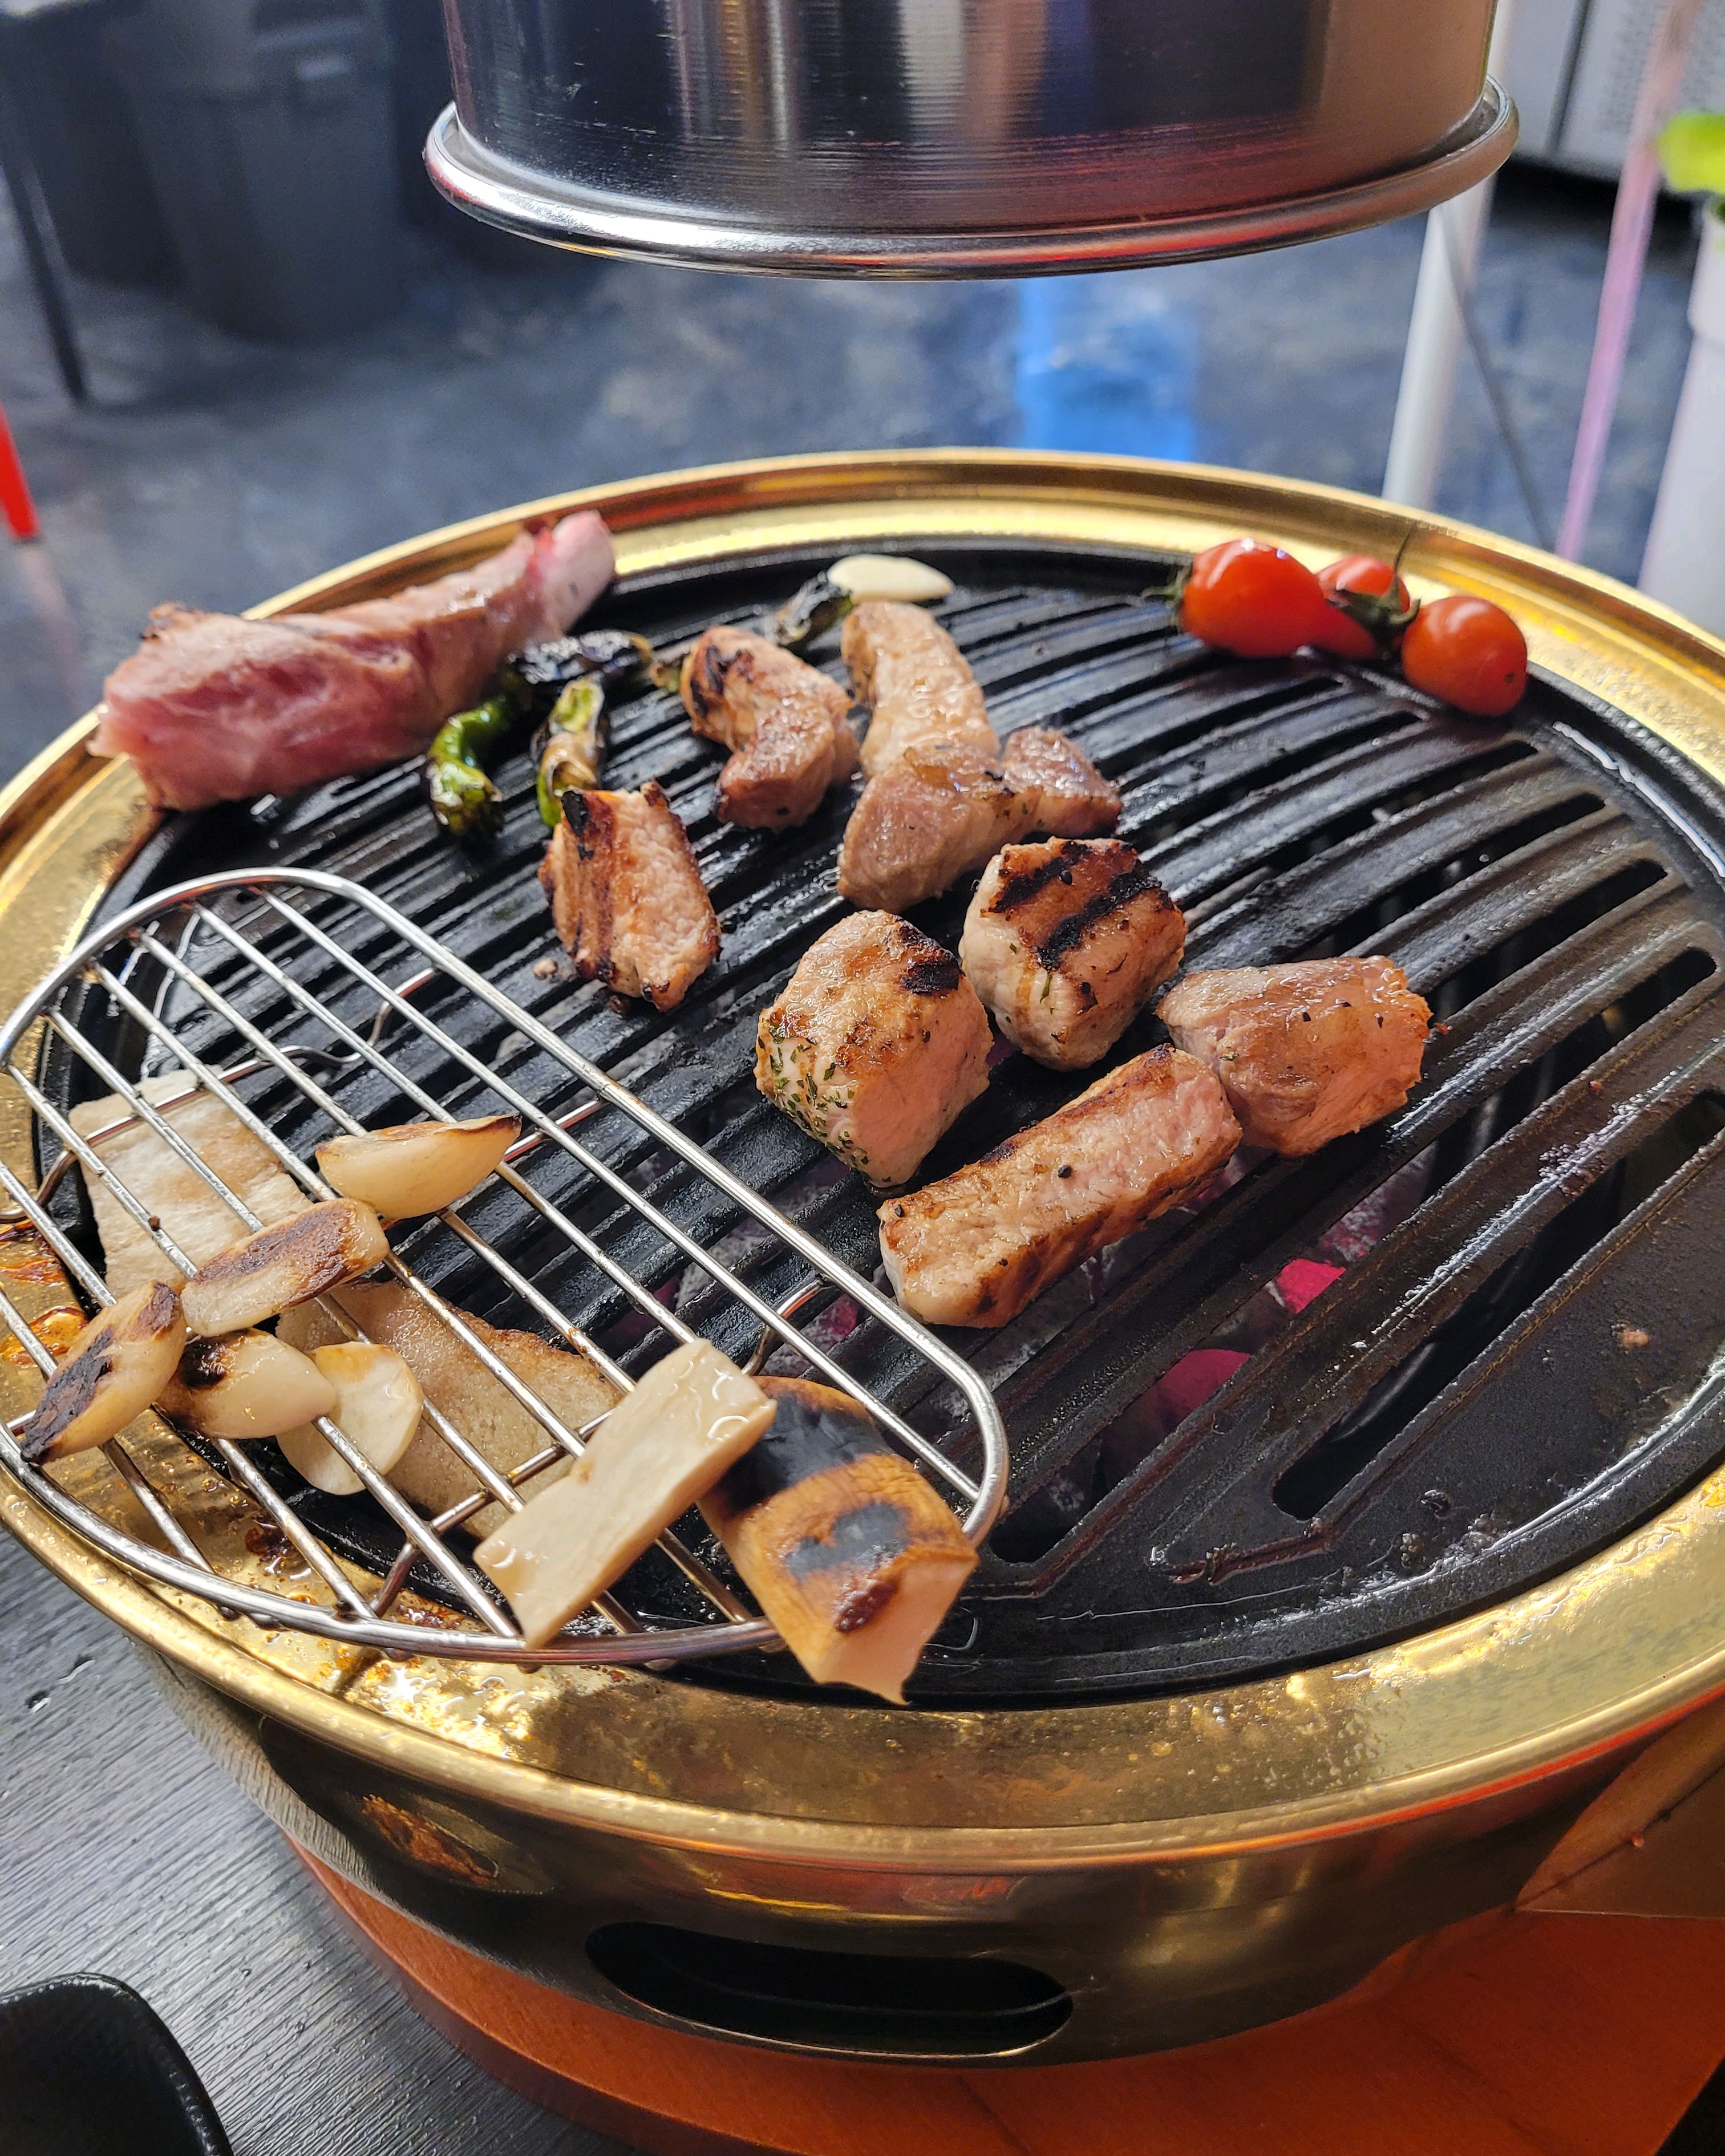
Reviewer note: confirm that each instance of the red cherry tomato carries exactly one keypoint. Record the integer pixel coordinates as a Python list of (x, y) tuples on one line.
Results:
[(1341, 635), (1252, 600), (1470, 653)]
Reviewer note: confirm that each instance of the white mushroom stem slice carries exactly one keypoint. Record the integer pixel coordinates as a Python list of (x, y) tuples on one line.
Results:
[(890, 577), (273, 1269), (660, 1449), (377, 1405), (112, 1371), (415, 1168), (246, 1385)]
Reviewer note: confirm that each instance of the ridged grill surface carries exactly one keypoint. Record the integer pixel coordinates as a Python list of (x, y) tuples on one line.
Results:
[(1217, 1468)]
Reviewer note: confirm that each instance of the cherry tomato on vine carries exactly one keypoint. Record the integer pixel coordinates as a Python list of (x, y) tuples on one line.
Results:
[(1470, 653), (1363, 631), (1252, 599)]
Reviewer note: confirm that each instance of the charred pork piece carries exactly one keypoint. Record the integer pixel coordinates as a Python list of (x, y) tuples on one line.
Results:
[(976, 1248), (785, 721), (190, 1212), (936, 814), (1065, 940), (627, 897), (841, 1542), (212, 708), (916, 681), (1305, 1053), (877, 1044), (113, 1370), (1075, 800), (458, 1384), (662, 1447), (291, 1262)]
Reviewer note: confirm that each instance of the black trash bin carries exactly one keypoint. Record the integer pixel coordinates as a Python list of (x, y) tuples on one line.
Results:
[(82, 141), (269, 129)]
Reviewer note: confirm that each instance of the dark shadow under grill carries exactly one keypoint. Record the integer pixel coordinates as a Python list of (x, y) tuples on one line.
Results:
[(1351, 1395)]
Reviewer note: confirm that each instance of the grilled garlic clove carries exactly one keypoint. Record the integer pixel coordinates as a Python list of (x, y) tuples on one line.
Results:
[(248, 1385), (280, 1265), (377, 1404), (113, 1370), (890, 577), (417, 1167)]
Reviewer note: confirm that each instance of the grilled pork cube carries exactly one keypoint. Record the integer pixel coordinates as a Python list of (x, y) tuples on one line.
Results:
[(627, 896), (935, 815), (1305, 1053), (846, 1548), (917, 682), (786, 720), (1077, 801), (877, 1044), (977, 1247), (1065, 940)]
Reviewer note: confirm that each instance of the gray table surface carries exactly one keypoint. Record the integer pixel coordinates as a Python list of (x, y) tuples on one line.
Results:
[(128, 1852)]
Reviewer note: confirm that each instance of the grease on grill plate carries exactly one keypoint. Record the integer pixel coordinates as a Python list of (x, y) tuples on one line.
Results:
[(1347, 1395)]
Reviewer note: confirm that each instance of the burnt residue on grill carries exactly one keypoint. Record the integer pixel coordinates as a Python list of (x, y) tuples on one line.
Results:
[(1334, 1400)]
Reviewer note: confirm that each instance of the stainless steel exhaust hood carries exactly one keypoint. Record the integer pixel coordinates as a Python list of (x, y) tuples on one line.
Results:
[(960, 137)]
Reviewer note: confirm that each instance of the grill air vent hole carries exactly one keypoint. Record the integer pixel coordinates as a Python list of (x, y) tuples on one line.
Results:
[(1319, 1476), (874, 2005)]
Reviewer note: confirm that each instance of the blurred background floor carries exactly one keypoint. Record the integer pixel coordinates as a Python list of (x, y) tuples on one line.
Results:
[(215, 470)]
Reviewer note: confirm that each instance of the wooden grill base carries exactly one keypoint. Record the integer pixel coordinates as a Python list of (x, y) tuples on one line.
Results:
[(1508, 2036)]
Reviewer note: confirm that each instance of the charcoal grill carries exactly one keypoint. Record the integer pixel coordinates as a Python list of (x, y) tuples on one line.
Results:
[(1360, 1518)]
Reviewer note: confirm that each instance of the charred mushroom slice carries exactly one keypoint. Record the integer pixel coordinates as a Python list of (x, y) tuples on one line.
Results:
[(840, 1541), (413, 1168), (246, 1385), (377, 1405), (279, 1266), (660, 1449), (113, 1370)]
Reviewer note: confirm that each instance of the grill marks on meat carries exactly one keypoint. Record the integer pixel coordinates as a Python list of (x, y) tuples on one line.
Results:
[(1305, 1053), (876, 1045), (1066, 941), (937, 814), (214, 708), (785, 720), (917, 682), (626, 895), (975, 1248), (1074, 801)]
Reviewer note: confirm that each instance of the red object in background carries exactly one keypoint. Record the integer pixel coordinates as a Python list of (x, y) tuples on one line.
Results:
[(15, 503), (1304, 1280), (1184, 1389)]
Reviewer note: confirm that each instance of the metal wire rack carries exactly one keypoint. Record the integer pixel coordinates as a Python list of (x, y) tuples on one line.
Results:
[(203, 980)]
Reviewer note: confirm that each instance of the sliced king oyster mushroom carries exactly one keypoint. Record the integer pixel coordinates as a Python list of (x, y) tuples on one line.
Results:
[(377, 1405), (112, 1371), (284, 1265), (890, 577), (413, 1168), (660, 1447), (246, 1385)]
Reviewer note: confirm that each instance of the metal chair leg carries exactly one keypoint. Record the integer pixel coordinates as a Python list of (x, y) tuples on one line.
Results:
[(41, 249)]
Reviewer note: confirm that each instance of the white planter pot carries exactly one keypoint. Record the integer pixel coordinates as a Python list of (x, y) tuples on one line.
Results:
[(1685, 561)]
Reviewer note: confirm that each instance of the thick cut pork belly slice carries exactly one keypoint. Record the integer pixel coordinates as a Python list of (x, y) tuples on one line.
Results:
[(212, 707), (877, 1044), (936, 814), (1305, 1053), (916, 681), (1065, 940), (626, 895), (1074, 801), (785, 720), (975, 1248)]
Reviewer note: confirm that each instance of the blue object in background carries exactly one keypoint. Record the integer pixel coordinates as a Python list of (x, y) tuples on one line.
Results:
[(1106, 363)]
